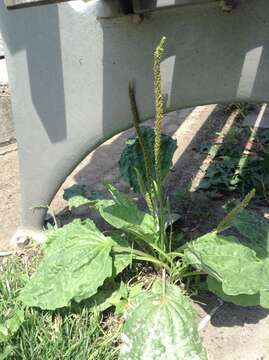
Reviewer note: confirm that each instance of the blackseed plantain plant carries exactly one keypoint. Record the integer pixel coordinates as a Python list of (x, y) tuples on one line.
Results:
[(80, 262)]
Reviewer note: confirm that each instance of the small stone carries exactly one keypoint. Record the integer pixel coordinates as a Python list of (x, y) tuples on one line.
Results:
[(137, 18), (22, 241), (227, 5)]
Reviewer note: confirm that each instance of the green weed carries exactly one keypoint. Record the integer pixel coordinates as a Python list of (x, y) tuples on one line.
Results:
[(83, 334)]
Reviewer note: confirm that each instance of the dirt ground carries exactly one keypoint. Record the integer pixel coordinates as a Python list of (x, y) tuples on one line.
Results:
[(232, 332)]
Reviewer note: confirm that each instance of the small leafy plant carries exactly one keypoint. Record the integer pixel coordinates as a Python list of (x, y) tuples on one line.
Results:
[(82, 263), (239, 164)]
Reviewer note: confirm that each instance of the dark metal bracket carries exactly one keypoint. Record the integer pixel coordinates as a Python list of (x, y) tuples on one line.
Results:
[(143, 6)]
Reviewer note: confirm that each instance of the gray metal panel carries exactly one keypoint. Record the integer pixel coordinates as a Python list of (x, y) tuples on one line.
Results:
[(142, 6), (68, 99)]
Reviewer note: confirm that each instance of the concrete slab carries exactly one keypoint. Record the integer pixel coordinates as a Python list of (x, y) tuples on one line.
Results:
[(9, 194), (7, 132), (237, 333)]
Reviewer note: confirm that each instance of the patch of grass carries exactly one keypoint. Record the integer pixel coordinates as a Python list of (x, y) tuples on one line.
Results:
[(77, 334)]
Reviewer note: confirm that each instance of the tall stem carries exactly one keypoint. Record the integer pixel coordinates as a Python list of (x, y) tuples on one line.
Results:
[(158, 128), (168, 206), (164, 282), (158, 107), (147, 163)]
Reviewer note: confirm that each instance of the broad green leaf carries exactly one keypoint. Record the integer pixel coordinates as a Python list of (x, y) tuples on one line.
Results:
[(243, 300), (227, 222), (75, 190), (109, 296), (120, 260), (264, 299), (124, 214), (11, 325), (78, 195), (256, 229), (122, 301), (132, 292), (136, 289), (161, 326), (132, 157), (261, 298), (76, 262), (235, 265), (79, 200), (118, 295)]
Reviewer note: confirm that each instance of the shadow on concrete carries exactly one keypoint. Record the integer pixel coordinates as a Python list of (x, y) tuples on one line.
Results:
[(43, 51), (231, 315), (228, 314)]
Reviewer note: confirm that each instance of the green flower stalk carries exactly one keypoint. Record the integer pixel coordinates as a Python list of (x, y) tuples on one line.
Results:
[(152, 187), (158, 129), (158, 107), (147, 189), (136, 122)]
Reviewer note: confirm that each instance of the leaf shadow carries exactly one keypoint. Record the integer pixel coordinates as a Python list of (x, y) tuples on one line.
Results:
[(228, 314)]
